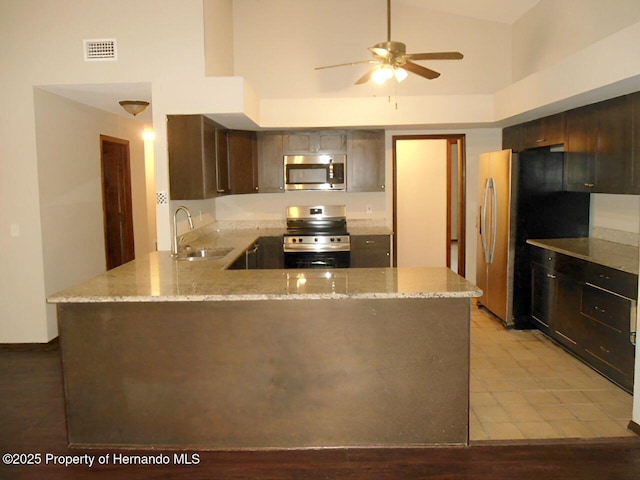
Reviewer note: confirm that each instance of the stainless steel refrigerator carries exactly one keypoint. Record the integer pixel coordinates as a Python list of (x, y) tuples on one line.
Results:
[(520, 196)]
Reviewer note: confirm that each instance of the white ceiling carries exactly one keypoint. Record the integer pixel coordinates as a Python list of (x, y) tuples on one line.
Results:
[(106, 96), (503, 11)]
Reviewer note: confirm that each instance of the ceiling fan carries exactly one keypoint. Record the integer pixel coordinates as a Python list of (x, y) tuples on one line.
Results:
[(392, 60)]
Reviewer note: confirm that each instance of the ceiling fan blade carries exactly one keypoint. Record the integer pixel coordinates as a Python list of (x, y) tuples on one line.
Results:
[(346, 64), (420, 70), (434, 56), (366, 77)]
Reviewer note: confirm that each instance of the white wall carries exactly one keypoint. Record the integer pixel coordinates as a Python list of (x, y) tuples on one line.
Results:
[(41, 44), (616, 212), (218, 40), (553, 30), (70, 190)]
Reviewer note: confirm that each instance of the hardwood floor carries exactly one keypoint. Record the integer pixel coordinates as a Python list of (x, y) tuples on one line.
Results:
[(32, 421)]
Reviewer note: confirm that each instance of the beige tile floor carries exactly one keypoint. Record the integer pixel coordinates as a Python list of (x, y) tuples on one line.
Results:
[(524, 386)]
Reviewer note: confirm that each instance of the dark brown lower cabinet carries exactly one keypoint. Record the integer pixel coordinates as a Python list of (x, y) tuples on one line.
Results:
[(588, 309), (370, 251)]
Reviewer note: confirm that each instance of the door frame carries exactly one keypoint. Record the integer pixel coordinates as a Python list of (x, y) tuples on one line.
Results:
[(460, 140), (128, 210)]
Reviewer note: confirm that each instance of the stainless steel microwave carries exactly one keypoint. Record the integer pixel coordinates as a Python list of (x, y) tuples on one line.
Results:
[(315, 172)]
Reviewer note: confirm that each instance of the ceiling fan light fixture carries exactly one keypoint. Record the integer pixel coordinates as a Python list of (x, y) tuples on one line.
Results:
[(400, 74), (382, 74)]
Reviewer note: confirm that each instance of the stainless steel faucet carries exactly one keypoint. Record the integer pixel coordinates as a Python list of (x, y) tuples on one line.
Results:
[(176, 239)]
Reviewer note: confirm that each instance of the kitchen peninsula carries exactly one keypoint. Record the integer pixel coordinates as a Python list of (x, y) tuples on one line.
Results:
[(165, 353)]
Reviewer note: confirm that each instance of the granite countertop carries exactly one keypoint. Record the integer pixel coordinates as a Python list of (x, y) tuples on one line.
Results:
[(159, 278), (610, 254)]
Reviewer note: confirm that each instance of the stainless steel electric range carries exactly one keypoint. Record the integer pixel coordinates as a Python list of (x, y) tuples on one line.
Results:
[(317, 237)]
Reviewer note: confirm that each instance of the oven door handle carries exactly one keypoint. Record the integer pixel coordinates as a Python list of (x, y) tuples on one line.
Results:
[(302, 248)]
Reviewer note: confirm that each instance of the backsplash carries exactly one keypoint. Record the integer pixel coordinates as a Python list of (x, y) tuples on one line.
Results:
[(617, 236)]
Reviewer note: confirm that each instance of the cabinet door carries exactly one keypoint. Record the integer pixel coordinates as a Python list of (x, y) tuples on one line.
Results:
[(314, 142), (512, 138), (613, 144), (270, 253), (270, 163), (566, 323), (634, 166), (243, 161), (543, 132), (366, 161), (580, 146), (191, 150), (543, 296), (223, 183), (370, 251)]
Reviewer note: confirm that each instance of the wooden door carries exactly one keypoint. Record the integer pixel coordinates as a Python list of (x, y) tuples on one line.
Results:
[(116, 198)]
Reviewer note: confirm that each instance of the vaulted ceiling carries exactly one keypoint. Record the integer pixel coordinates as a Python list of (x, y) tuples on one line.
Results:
[(503, 11)]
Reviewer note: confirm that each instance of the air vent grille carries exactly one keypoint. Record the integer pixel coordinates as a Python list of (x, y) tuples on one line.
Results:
[(100, 50)]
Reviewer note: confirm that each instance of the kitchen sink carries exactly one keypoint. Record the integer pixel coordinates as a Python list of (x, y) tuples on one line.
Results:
[(205, 253)]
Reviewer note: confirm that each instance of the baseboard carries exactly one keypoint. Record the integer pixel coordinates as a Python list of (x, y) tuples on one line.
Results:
[(634, 427), (54, 344)]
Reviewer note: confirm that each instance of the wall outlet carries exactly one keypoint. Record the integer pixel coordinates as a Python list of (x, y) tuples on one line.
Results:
[(14, 230), (369, 209)]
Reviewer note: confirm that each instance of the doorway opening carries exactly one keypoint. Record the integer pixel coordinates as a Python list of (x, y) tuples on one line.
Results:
[(116, 201), (429, 185)]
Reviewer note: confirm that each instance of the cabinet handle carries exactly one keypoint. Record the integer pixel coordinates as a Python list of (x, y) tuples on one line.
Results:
[(605, 277), (601, 310), (549, 275), (604, 349), (540, 140), (589, 185), (369, 242)]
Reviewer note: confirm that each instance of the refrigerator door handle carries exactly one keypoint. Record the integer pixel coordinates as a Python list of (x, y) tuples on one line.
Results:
[(494, 220), (483, 220)]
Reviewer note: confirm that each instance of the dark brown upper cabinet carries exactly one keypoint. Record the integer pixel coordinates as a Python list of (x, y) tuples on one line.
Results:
[(366, 161), (542, 132), (192, 157), (599, 148), (601, 144), (512, 138), (316, 141), (270, 162), (243, 161)]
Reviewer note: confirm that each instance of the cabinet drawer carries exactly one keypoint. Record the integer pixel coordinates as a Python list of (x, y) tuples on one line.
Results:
[(546, 258), (622, 283), (609, 352), (559, 262), (607, 308)]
